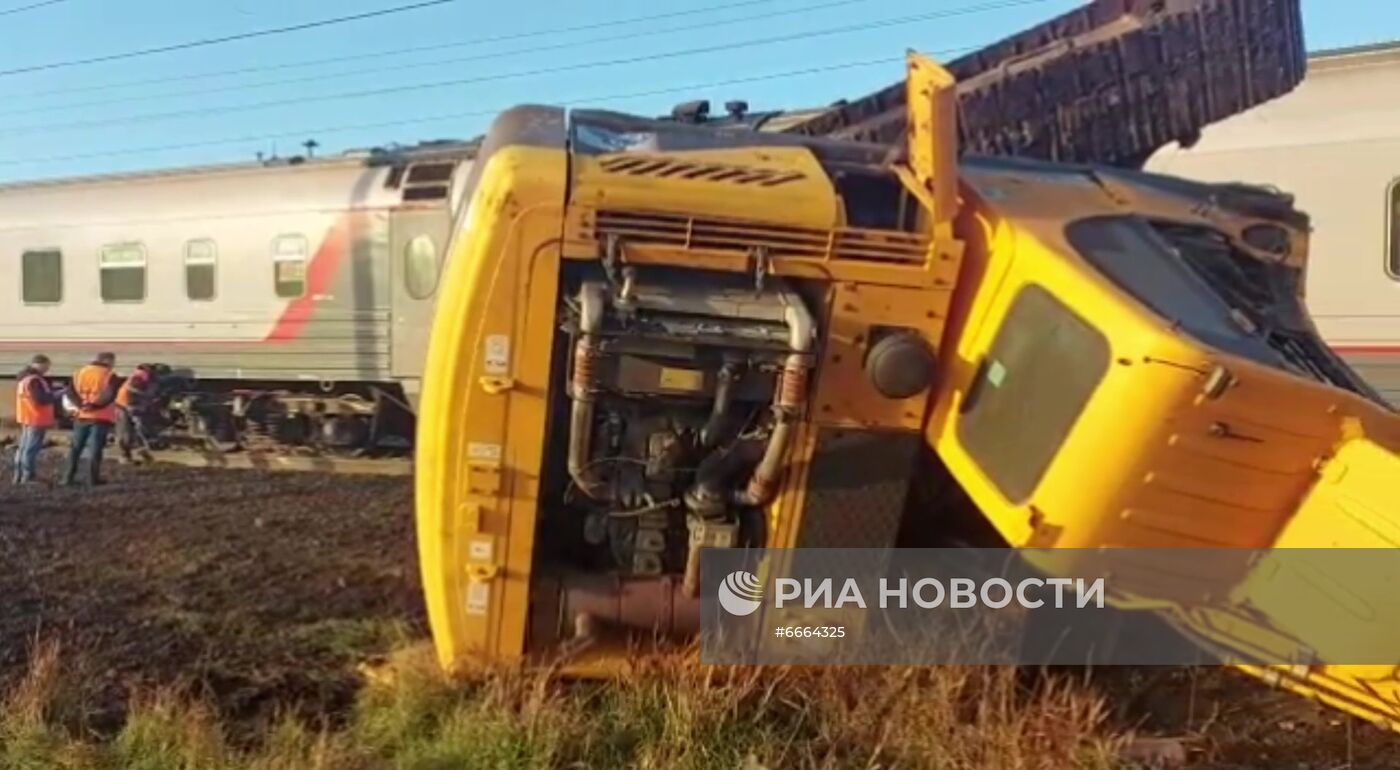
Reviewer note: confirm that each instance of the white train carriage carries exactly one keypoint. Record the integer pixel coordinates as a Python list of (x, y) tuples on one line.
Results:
[(1335, 144), (307, 278)]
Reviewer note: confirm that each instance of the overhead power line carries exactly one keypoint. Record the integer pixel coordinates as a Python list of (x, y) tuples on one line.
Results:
[(432, 85), (395, 51), (391, 52), (30, 7), (208, 41), (704, 25), (342, 128)]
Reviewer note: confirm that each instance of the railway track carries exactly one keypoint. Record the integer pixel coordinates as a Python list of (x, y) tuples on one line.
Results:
[(252, 459), (273, 461)]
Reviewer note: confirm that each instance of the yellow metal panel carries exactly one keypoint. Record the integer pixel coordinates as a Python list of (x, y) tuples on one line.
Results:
[(1354, 504), (807, 201), (933, 138), (785, 512), (483, 408), (844, 396)]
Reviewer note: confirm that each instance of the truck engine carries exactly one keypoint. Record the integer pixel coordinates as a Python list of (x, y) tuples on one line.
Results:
[(683, 397)]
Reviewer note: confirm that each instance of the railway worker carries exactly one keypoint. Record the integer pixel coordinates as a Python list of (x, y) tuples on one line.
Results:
[(95, 389), (34, 410), (134, 398)]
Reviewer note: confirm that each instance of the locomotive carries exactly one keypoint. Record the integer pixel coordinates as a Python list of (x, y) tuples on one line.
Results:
[(290, 298)]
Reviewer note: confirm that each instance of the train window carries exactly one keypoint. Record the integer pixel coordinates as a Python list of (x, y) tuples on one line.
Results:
[(420, 267), (289, 265), (201, 259), (1393, 229), (123, 267), (42, 278), (428, 182), (430, 172)]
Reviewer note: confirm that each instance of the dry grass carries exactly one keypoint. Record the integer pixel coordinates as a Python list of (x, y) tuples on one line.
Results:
[(669, 714)]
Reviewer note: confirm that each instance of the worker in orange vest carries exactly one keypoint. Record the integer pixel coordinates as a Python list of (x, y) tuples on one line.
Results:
[(34, 410), (95, 392), (134, 399)]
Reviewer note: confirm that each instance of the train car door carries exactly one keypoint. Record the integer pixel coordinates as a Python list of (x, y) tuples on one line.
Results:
[(418, 243)]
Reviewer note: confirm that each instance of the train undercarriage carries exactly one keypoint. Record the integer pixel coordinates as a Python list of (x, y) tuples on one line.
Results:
[(352, 422), (220, 417)]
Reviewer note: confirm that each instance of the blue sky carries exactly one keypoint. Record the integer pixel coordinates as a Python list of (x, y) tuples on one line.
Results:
[(177, 109)]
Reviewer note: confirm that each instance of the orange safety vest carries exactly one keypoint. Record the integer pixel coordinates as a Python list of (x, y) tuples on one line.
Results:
[(89, 383), (27, 411), (124, 392)]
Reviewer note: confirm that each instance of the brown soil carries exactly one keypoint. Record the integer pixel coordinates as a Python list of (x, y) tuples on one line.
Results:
[(1230, 721), (259, 591)]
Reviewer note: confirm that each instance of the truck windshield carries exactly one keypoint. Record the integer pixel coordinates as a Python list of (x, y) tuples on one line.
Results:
[(1201, 283)]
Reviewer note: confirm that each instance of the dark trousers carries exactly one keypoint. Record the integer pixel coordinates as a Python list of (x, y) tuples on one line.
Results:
[(31, 440), (126, 432), (91, 436)]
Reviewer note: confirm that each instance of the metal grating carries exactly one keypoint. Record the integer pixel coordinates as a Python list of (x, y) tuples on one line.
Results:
[(701, 234), (857, 488), (633, 164), (1108, 82)]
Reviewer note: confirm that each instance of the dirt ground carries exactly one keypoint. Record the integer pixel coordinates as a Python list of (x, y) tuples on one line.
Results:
[(260, 591), (263, 592), (1227, 720)]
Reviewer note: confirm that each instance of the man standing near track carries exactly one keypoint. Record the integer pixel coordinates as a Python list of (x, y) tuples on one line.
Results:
[(134, 400), (95, 391), (34, 410)]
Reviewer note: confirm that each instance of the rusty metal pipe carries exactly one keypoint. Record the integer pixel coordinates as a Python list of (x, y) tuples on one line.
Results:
[(656, 604), (582, 387), (762, 486)]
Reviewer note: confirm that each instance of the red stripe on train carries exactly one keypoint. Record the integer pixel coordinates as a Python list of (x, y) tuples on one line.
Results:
[(319, 275)]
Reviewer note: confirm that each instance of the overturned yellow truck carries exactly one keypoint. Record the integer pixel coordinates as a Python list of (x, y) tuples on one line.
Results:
[(655, 339)]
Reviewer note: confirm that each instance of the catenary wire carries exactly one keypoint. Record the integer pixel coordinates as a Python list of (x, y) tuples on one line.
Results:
[(301, 100), (691, 88), (222, 39), (436, 62), (501, 38), (30, 7)]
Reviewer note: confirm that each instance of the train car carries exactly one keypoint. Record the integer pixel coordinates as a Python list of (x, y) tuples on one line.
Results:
[(1334, 143), (295, 287)]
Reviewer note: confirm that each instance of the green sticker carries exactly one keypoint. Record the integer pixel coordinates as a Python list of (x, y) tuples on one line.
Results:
[(996, 374)]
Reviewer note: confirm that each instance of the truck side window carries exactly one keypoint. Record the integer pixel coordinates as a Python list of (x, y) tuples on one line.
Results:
[(123, 267), (289, 265), (201, 261), (1034, 381), (42, 277)]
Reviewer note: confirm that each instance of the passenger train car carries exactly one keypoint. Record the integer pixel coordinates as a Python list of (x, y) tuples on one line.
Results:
[(1335, 144), (293, 286)]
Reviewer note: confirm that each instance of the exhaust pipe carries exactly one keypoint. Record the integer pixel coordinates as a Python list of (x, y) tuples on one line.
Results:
[(707, 496), (583, 388), (792, 397)]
